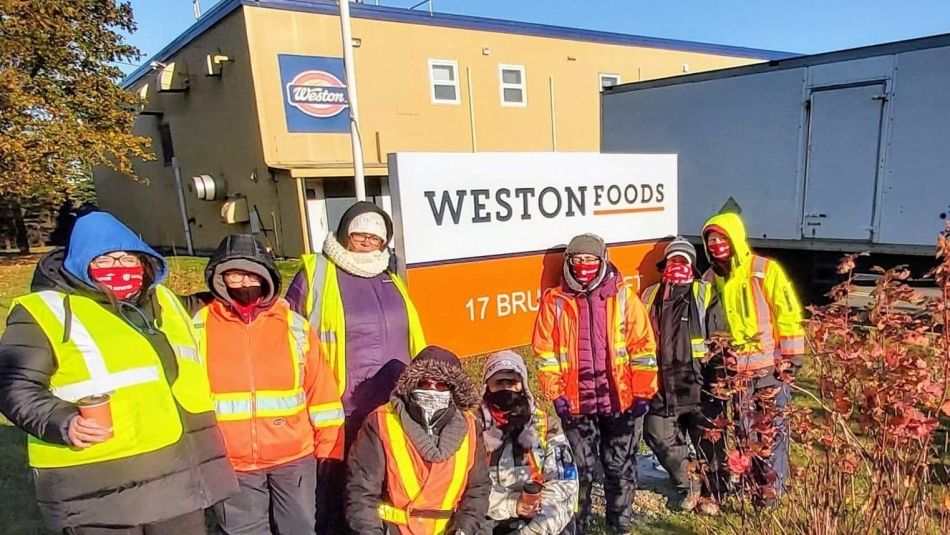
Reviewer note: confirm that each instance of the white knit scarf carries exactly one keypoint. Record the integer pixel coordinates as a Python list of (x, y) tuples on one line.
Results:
[(366, 265)]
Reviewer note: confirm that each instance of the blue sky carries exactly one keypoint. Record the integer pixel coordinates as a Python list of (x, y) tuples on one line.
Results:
[(806, 26)]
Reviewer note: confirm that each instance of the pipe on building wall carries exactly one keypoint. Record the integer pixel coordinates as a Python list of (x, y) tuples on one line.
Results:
[(181, 206), (553, 116), (471, 108)]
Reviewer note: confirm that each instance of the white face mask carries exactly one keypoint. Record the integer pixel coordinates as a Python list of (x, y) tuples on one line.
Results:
[(431, 402)]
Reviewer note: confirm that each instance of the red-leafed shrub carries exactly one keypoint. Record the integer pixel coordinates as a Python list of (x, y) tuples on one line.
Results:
[(869, 435)]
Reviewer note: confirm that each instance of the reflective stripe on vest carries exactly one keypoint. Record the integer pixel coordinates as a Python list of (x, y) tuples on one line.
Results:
[(765, 354), (324, 307), (100, 380), (425, 507), (621, 357), (104, 354), (235, 406), (702, 296), (327, 414), (562, 348), (536, 455)]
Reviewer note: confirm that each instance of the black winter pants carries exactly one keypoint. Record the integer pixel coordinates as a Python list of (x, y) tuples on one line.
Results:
[(513, 527), (604, 448), (670, 436), (281, 498), (331, 486), (190, 524)]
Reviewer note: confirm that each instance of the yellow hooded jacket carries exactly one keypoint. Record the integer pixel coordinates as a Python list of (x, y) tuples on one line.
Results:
[(764, 314)]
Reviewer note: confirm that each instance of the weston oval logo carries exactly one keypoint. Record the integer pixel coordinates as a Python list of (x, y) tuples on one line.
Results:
[(318, 94)]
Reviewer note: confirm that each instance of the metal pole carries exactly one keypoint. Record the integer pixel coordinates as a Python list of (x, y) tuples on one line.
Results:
[(359, 180), (181, 206)]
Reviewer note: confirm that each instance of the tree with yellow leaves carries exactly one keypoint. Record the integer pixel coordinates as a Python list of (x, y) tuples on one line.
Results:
[(62, 110)]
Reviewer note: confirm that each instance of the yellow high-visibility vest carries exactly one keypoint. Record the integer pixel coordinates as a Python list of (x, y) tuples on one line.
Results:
[(324, 307), (103, 354)]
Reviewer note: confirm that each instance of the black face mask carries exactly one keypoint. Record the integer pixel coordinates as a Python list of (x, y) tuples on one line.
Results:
[(245, 295), (513, 404)]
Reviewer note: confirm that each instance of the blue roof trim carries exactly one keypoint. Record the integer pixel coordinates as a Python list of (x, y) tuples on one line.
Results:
[(393, 14)]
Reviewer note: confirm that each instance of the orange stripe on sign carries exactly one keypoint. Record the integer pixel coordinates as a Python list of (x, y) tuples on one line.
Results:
[(629, 210)]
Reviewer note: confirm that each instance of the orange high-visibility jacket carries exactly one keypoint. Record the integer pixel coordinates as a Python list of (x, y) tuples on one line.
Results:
[(422, 496), (274, 395), (630, 344)]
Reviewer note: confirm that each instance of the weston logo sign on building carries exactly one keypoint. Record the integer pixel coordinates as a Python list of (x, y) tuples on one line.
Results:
[(314, 93), (482, 234)]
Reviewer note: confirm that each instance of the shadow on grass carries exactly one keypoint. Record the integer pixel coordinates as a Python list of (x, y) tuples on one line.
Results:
[(18, 514)]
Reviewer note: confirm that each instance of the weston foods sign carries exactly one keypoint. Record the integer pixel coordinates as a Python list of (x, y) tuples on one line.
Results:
[(483, 234)]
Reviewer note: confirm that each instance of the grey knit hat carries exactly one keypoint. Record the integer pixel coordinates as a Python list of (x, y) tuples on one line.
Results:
[(680, 246), (591, 244)]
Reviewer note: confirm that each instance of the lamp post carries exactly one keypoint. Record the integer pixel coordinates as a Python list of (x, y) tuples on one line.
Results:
[(359, 181)]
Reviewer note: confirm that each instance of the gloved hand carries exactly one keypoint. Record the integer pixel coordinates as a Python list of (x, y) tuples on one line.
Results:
[(562, 406), (640, 407)]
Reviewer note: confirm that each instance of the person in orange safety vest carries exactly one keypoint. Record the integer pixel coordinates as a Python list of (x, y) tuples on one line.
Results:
[(418, 465), (276, 400)]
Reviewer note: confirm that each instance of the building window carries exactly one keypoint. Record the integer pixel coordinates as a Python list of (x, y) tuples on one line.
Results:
[(608, 80), (165, 137), (512, 85), (444, 81)]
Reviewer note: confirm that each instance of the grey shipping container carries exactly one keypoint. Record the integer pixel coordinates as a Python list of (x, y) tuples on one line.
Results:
[(843, 151)]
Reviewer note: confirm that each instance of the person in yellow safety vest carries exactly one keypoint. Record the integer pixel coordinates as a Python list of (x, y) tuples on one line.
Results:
[(101, 328), (765, 321), (534, 478), (597, 364), (684, 313), (418, 466), (368, 327)]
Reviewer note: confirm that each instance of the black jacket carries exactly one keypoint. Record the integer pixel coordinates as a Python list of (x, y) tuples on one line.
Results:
[(187, 476), (682, 378)]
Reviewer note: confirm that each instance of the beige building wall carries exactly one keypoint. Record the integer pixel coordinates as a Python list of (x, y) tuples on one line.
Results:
[(396, 111), (214, 131)]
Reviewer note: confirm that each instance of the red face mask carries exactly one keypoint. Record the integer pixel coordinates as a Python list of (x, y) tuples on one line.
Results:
[(586, 272), (677, 271), (123, 282), (720, 251)]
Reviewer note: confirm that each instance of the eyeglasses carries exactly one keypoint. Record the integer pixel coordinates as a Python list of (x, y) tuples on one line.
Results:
[(107, 261), (371, 239), (583, 259), (238, 277), (431, 384)]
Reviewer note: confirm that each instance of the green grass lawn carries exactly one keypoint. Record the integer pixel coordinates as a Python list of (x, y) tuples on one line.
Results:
[(19, 515)]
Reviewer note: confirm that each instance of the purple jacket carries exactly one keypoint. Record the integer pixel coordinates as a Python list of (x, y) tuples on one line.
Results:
[(377, 338), (597, 392)]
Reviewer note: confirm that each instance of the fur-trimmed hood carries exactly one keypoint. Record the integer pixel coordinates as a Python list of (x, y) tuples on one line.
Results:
[(440, 364)]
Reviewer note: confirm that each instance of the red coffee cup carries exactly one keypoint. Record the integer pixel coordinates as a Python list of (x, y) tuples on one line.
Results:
[(531, 494), (97, 408)]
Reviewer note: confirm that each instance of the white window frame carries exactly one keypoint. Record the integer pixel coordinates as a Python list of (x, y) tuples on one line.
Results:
[(602, 75), (433, 82), (523, 86)]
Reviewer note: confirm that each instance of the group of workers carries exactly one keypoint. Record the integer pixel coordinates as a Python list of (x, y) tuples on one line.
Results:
[(324, 411)]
